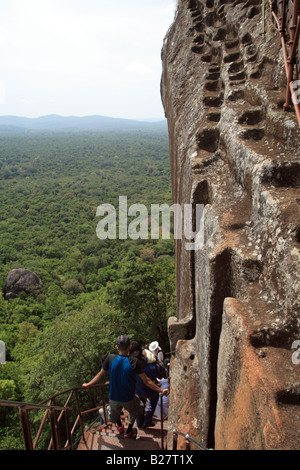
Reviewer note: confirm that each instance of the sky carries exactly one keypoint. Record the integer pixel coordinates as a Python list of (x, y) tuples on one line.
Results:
[(83, 57)]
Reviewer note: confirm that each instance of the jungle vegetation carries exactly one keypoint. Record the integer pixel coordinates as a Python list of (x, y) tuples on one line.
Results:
[(93, 290)]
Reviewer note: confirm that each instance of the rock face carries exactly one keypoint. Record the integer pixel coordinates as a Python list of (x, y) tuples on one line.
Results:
[(234, 384), (20, 280)]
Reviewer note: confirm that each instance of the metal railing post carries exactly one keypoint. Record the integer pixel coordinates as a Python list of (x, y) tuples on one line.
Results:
[(68, 430), (292, 28), (175, 439), (54, 431), (289, 29), (187, 442), (26, 428), (162, 422), (79, 415)]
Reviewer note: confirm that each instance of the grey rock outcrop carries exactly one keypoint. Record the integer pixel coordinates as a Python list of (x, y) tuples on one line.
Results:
[(20, 280)]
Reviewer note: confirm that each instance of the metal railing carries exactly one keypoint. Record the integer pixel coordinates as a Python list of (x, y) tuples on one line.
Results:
[(56, 414), (188, 441), (286, 14)]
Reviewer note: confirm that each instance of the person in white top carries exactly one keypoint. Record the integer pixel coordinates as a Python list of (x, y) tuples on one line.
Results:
[(156, 350), (164, 383)]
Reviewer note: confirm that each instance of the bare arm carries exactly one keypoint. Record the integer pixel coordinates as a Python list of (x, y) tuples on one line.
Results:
[(152, 385), (96, 379)]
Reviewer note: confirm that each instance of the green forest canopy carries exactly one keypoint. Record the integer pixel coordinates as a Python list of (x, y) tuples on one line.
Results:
[(51, 186)]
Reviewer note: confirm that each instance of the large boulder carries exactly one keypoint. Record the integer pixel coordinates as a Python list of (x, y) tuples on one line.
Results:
[(20, 280)]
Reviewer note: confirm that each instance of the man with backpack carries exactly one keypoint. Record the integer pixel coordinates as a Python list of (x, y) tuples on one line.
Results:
[(122, 374)]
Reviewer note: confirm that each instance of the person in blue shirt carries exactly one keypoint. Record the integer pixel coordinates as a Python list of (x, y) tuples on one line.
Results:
[(123, 372)]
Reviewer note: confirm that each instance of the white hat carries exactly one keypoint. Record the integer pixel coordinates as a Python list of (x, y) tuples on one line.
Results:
[(153, 346)]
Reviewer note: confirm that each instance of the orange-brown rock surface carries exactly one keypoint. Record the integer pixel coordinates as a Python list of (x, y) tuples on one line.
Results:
[(234, 379)]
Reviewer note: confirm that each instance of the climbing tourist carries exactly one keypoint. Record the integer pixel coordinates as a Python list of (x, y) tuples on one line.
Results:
[(156, 350), (148, 356), (146, 394), (122, 382), (162, 412)]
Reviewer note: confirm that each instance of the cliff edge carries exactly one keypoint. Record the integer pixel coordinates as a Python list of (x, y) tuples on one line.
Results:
[(234, 374)]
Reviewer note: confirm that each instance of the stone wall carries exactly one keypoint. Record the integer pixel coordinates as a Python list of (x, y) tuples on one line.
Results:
[(232, 148)]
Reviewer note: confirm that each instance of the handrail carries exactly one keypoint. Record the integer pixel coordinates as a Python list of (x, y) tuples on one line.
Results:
[(69, 390), (289, 34), (51, 409), (188, 441), (30, 406)]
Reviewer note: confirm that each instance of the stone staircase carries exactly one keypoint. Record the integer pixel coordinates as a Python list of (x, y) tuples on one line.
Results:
[(106, 437)]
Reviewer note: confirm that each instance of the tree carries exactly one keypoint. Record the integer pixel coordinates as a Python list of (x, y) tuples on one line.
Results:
[(70, 351), (56, 337), (72, 286), (146, 295)]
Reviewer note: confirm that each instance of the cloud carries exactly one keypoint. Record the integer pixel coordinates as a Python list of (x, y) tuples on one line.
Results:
[(2, 93), (89, 56), (26, 101), (3, 39)]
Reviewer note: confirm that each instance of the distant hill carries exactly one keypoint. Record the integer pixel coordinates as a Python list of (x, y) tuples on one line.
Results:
[(56, 123)]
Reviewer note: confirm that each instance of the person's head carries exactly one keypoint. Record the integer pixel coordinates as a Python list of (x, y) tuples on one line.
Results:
[(136, 350), (154, 347), (138, 353), (135, 346), (123, 344)]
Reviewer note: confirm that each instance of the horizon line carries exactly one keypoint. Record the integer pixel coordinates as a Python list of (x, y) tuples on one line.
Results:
[(156, 119)]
